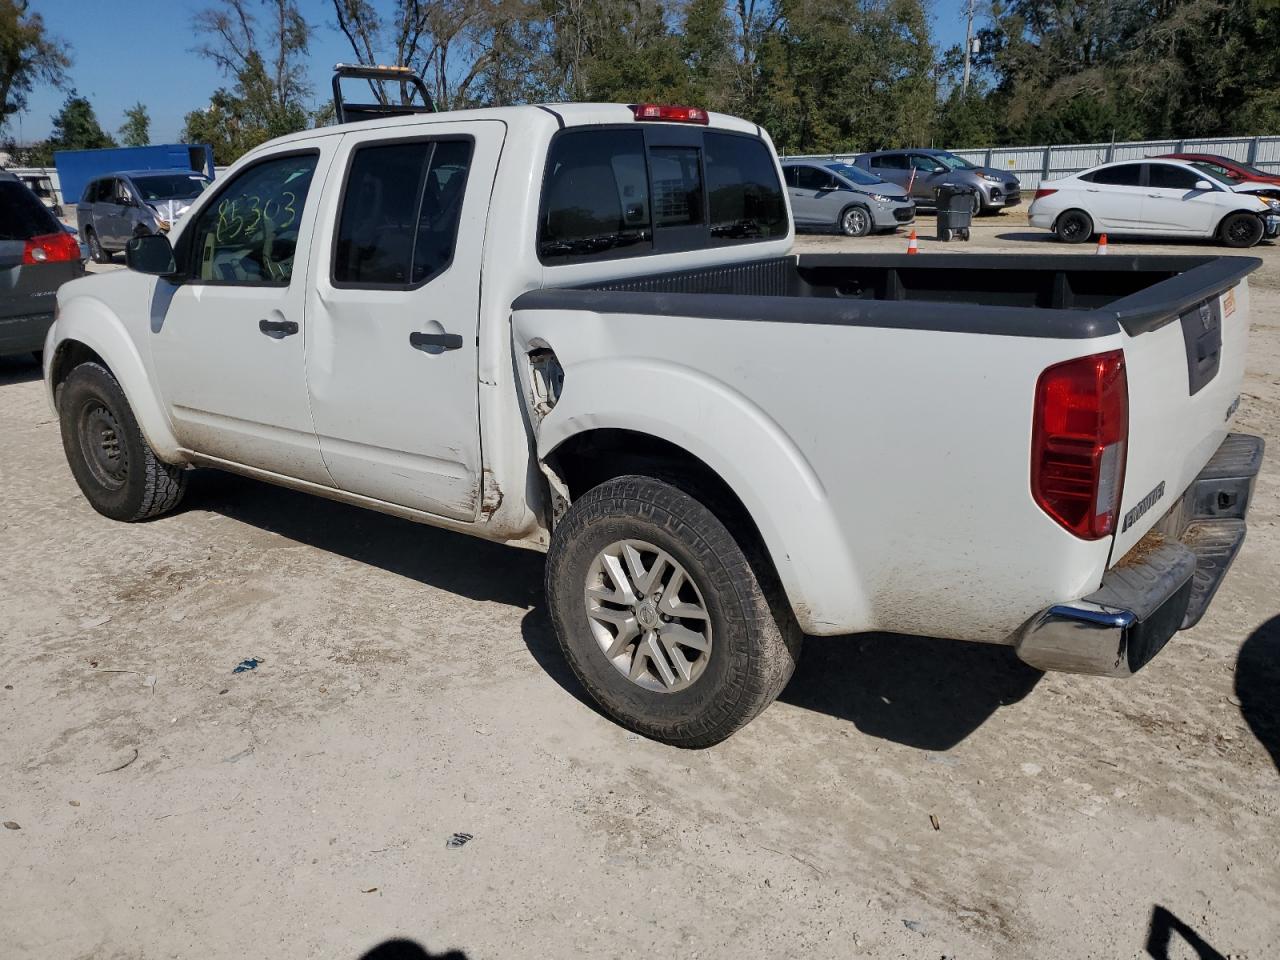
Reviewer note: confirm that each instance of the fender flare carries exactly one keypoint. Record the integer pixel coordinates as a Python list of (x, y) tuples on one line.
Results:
[(89, 321), (765, 469)]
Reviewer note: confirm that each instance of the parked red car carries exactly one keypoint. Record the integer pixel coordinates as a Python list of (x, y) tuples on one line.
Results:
[(1231, 169)]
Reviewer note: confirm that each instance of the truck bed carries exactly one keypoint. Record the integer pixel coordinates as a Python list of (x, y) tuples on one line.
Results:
[(1066, 296)]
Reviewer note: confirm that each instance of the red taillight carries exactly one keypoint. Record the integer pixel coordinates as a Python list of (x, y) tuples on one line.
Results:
[(51, 248), (1078, 438), (1042, 192), (672, 114)]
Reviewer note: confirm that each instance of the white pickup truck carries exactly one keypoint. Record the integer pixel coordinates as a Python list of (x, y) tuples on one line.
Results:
[(581, 329)]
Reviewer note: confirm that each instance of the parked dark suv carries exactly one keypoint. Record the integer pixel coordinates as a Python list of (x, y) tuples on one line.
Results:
[(114, 209), (37, 255), (923, 171)]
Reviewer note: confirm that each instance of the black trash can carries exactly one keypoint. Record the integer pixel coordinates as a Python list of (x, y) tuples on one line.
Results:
[(955, 211)]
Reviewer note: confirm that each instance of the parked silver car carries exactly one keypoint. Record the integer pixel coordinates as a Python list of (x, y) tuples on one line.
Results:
[(923, 171), (826, 195), (115, 208)]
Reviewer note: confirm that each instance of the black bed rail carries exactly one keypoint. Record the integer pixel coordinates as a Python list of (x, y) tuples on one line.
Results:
[(348, 112)]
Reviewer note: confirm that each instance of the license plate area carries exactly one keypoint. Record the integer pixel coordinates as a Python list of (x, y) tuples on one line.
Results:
[(1202, 333)]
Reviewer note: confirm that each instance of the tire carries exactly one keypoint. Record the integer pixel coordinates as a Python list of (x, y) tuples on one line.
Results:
[(855, 221), (1241, 230), (118, 472), (1074, 226), (96, 253), (977, 204), (746, 647), (964, 234)]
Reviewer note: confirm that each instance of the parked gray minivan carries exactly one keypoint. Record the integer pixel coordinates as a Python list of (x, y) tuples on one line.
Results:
[(830, 194), (926, 170), (115, 208)]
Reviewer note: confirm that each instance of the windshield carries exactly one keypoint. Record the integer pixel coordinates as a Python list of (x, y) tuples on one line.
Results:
[(170, 186), (1215, 172), (951, 161), (855, 175)]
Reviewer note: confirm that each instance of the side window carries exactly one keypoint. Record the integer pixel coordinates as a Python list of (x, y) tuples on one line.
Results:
[(791, 174), (812, 178), (1125, 175), (90, 192), (249, 234), (742, 189), (677, 186), (122, 192), (400, 212), (595, 200), (924, 163), (1170, 177), (106, 190)]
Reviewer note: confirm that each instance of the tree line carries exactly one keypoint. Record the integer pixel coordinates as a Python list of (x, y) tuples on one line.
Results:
[(820, 75)]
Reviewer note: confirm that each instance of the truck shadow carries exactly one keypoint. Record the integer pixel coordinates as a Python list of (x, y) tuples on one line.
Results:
[(922, 692), (918, 691), (1258, 685), (401, 949)]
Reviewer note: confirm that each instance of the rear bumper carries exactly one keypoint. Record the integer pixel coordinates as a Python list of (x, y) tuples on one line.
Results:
[(24, 333), (1163, 585)]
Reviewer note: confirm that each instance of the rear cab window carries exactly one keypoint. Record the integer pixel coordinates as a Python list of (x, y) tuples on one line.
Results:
[(612, 192)]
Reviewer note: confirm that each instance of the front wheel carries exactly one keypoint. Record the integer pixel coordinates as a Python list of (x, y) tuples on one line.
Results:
[(1241, 230), (118, 472), (661, 615), (1074, 226), (855, 222)]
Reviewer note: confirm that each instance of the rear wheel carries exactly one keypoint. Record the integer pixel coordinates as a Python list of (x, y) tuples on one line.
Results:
[(1074, 226), (96, 253), (118, 472), (662, 616), (1241, 230)]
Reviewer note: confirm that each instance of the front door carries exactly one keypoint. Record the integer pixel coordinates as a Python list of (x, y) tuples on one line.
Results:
[(1174, 205), (808, 193), (393, 315), (228, 341)]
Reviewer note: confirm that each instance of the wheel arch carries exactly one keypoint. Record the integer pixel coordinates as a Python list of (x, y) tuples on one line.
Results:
[(736, 453), (87, 331), (1217, 227)]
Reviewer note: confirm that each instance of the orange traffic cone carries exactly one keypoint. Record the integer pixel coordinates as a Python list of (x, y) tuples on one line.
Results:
[(912, 245), (1102, 245)]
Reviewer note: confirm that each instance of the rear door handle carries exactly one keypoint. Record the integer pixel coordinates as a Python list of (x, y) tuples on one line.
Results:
[(435, 342), (278, 329)]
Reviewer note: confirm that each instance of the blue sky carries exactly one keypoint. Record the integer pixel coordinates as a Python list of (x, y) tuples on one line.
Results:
[(124, 51)]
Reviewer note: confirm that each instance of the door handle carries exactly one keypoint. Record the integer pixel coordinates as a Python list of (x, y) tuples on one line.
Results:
[(278, 329), (435, 342)]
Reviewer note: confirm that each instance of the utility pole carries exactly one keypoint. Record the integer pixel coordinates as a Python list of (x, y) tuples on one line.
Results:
[(968, 48)]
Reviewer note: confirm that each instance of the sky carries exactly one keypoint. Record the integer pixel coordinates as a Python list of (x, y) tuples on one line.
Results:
[(125, 51)]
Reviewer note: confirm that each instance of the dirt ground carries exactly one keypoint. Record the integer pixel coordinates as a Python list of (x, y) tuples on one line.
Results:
[(410, 689)]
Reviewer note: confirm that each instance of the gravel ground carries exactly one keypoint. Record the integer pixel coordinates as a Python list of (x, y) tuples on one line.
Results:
[(907, 797)]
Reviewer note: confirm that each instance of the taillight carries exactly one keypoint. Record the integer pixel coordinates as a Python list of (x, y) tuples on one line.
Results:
[(1042, 192), (673, 114), (51, 248), (1078, 438)]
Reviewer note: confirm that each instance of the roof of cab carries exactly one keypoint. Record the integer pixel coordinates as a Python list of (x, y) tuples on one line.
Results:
[(552, 114)]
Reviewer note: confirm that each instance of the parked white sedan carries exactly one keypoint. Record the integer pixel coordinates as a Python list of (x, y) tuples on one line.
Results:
[(1152, 197)]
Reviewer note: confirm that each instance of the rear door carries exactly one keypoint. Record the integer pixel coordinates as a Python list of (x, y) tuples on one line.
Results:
[(1114, 196), (393, 315), (1173, 203), (892, 167), (808, 194)]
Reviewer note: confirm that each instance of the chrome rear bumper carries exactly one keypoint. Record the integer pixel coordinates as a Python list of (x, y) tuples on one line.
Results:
[(1163, 585)]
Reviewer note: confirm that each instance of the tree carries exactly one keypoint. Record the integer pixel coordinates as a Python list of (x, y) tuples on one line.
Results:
[(226, 125), (76, 127), (136, 131), (28, 55), (270, 88)]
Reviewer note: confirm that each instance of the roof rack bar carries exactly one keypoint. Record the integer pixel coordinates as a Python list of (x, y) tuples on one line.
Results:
[(348, 112)]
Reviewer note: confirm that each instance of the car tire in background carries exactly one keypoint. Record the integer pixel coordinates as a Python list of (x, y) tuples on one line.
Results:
[(855, 221), (118, 472), (1240, 230), (977, 204), (1073, 226), (663, 617), (96, 253)]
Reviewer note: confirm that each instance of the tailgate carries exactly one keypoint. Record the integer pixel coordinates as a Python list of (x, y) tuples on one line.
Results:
[(1185, 366)]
